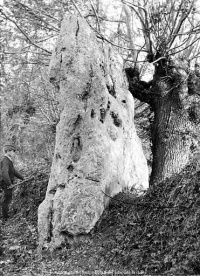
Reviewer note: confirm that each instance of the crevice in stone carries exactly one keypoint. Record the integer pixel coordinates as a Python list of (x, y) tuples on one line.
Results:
[(111, 90), (103, 112), (58, 155), (54, 82), (70, 62), (76, 149), (102, 115), (50, 234), (108, 105), (77, 29), (103, 68), (61, 185), (78, 121), (70, 168), (92, 113), (66, 234), (92, 179), (116, 120), (86, 93), (76, 124), (52, 192)]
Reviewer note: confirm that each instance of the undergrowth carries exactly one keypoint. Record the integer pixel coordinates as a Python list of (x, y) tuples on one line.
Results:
[(19, 238), (158, 232), (28, 196)]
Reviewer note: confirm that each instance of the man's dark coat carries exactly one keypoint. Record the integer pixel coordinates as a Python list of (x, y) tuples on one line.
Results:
[(8, 172)]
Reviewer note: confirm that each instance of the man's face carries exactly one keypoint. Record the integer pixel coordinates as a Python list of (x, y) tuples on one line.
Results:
[(11, 154)]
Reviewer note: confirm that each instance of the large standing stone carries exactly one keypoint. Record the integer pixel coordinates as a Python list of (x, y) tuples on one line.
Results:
[(97, 151)]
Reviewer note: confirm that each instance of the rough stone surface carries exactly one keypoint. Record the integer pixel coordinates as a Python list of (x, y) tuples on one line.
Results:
[(97, 151)]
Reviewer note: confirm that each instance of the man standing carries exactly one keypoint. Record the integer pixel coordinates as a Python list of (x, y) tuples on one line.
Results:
[(8, 172)]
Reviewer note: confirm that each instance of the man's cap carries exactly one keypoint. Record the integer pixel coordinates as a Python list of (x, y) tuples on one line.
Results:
[(9, 147)]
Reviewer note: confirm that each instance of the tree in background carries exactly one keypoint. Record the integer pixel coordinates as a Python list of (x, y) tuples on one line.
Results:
[(29, 102), (171, 38)]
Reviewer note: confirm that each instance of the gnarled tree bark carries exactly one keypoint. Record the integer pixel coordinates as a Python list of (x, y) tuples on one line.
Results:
[(172, 95)]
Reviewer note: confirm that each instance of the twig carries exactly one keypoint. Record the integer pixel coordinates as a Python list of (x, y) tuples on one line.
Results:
[(130, 34), (180, 23), (77, 8), (24, 181), (97, 17), (23, 32)]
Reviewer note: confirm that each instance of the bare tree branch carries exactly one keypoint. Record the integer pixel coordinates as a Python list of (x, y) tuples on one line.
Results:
[(130, 33), (176, 18), (41, 10), (103, 18), (30, 10), (97, 17), (182, 50), (144, 22), (23, 32), (178, 27)]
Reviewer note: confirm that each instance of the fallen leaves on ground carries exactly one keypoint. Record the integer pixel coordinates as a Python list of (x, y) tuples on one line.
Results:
[(157, 232)]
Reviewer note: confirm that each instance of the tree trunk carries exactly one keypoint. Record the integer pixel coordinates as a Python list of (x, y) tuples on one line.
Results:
[(170, 133), (173, 129)]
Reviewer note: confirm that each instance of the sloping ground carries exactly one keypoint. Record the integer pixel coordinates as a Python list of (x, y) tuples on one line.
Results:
[(161, 230), (18, 239), (158, 232)]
